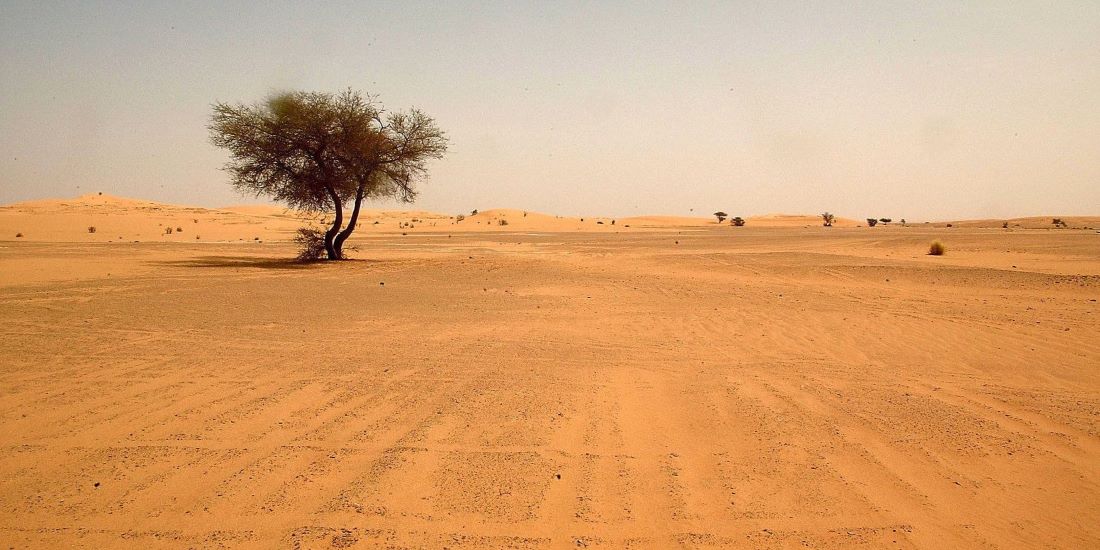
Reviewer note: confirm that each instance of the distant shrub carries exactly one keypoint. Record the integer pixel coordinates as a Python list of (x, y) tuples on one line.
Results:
[(311, 242), (502, 222), (179, 230), (91, 229), (936, 249), (885, 220), (903, 221), (1004, 225), (18, 235), (1058, 222), (473, 212), (737, 221), (460, 217), (871, 222), (167, 230), (827, 219)]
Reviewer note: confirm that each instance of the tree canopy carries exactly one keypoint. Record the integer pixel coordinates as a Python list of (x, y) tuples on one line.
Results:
[(323, 152)]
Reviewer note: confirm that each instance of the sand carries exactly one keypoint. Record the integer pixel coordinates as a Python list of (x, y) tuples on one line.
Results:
[(551, 383)]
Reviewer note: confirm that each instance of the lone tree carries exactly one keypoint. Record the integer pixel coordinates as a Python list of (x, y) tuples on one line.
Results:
[(721, 216), (871, 222), (324, 152), (828, 219), (737, 221)]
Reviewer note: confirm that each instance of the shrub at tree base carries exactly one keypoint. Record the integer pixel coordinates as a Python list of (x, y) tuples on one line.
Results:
[(936, 249), (311, 242)]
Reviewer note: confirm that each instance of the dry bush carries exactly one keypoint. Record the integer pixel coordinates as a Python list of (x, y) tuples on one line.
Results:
[(18, 235), (737, 221), (91, 229), (502, 222), (936, 249), (179, 230), (871, 222), (311, 242)]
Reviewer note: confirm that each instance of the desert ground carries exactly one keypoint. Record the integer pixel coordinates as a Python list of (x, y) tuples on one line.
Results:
[(550, 383)]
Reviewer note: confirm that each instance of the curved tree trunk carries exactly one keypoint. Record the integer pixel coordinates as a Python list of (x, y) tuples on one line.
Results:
[(337, 221), (338, 243)]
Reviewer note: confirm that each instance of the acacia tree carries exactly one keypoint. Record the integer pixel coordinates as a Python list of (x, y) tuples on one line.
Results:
[(323, 152), (721, 216)]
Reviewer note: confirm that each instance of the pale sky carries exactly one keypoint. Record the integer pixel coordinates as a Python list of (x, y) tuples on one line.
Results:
[(921, 110)]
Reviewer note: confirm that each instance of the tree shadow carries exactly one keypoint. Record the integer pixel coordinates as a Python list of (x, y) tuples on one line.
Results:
[(261, 262), (241, 261)]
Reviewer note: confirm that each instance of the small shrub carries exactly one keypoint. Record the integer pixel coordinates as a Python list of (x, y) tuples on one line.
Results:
[(827, 219), (502, 222), (179, 230), (311, 242), (459, 217), (167, 230), (599, 223), (885, 220), (871, 222), (18, 235), (1058, 222), (91, 229), (473, 212), (737, 221), (936, 249), (1004, 225)]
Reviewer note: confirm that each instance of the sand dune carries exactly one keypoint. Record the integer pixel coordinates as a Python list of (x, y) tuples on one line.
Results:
[(551, 383)]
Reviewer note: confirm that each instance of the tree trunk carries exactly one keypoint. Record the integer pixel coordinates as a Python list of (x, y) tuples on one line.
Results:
[(338, 220), (338, 244)]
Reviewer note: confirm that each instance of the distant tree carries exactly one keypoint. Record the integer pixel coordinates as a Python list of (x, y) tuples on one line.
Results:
[(903, 222), (721, 216), (871, 222), (322, 152), (885, 220), (828, 219), (737, 221), (473, 212)]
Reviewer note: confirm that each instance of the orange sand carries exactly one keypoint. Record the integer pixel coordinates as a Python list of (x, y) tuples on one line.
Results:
[(550, 383)]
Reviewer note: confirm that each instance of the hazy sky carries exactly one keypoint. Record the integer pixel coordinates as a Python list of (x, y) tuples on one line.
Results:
[(922, 110)]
